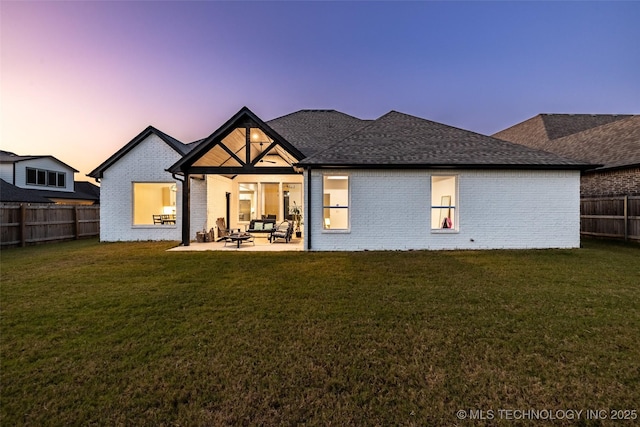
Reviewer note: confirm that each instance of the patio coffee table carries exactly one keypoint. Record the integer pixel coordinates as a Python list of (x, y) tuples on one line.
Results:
[(239, 238)]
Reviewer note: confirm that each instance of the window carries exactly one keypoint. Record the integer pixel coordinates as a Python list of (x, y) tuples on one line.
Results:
[(335, 202), (443, 202), (32, 176), (45, 177), (247, 197), (154, 203), (270, 199), (42, 177), (52, 179), (291, 198)]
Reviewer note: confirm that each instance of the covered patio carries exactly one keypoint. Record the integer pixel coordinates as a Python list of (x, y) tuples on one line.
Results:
[(249, 173)]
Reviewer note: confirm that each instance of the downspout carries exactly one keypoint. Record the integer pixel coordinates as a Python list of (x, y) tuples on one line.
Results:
[(309, 221)]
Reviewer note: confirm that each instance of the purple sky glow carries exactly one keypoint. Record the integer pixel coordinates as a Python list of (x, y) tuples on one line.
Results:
[(81, 79)]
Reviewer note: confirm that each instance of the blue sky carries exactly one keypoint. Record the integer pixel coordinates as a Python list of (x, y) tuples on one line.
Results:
[(80, 79)]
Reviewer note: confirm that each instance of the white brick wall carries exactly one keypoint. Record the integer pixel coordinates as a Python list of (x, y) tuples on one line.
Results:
[(146, 162), (390, 209)]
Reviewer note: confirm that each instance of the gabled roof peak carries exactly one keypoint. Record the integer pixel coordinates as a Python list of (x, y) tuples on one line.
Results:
[(169, 140)]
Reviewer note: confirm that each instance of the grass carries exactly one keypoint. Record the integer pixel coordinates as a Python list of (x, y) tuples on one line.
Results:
[(128, 334)]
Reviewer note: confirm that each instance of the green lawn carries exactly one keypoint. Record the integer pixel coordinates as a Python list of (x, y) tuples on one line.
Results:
[(129, 334)]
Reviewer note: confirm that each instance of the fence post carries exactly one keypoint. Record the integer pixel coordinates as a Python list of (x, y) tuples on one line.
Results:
[(626, 217), (23, 225), (76, 223)]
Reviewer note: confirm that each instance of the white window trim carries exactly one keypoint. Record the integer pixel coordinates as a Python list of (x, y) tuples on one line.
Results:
[(339, 230), (456, 209), (47, 173), (133, 206)]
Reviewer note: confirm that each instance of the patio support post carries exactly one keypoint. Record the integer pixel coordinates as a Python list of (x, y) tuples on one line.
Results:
[(186, 210)]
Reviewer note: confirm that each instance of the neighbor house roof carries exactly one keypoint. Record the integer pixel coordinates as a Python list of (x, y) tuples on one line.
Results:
[(11, 193), (83, 190), (398, 139), (9, 157), (87, 190), (612, 141)]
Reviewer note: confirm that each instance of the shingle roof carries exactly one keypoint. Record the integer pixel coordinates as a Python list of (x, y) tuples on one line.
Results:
[(83, 191), (609, 140), (13, 194), (559, 125), (398, 139), (313, 130), (87, 190), (9, 157)]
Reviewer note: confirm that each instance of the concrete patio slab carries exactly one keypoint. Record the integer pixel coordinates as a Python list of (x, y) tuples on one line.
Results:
[(261, 245)]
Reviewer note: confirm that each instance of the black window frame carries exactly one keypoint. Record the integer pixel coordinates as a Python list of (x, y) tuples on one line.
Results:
[(32, 176), (45, 178)]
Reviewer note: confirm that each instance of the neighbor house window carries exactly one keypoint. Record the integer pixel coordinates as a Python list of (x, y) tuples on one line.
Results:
[(154, 203), (32, 176), (444, 202), (45, 177), (335, 202), (52, 179)]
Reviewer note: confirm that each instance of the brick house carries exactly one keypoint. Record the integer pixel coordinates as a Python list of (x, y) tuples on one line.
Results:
[(610, 141), (398, 182)]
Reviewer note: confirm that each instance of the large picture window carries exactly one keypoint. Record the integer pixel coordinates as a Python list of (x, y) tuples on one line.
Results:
[(444, 202), (335, 202), (154, 203)]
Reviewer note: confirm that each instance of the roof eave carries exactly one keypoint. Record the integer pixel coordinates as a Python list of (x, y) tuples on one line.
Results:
[(605, 168), (98, 172), (304, 165)]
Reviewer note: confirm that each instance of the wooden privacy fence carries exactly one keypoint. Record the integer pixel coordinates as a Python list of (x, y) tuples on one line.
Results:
[(614, 217), (31, 224)]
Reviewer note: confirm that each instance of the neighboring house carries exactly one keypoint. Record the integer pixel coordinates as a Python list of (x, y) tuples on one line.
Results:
[(395, 183), (610, 141), (42, 179)]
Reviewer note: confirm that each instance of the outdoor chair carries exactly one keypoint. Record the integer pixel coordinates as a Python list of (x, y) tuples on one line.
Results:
[(223, 231), (284, 230)]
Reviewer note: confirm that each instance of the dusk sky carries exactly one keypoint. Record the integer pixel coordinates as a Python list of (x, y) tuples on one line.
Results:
[(81, 79)]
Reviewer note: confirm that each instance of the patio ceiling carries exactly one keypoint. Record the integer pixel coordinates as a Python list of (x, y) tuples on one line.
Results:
[(234, 151), (243, 145)]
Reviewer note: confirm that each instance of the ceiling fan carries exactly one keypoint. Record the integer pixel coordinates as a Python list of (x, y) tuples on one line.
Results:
[(263, 160)]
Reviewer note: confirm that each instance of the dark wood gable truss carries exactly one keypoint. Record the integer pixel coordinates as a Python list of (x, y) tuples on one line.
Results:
[(230, 151), (243, 145)]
